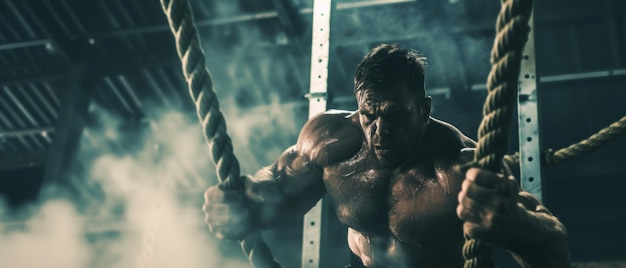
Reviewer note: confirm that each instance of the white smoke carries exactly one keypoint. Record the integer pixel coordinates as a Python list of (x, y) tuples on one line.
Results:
[(53, 238), (136, 207)]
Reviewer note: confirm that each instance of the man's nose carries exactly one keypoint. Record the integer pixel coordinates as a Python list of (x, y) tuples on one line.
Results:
[(382, 126)]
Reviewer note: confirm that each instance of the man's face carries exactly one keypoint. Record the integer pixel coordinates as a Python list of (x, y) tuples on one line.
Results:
[(393, 122)]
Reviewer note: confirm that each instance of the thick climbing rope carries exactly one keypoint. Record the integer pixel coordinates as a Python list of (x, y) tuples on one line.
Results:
[(595, 141), (511, 35), (182, 25), (587, 145)]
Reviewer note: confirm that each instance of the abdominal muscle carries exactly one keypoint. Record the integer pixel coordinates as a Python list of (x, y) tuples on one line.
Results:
[(377, 251), (388, 251)]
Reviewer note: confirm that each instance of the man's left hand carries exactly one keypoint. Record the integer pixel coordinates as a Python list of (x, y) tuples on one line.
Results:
[(488, 203)]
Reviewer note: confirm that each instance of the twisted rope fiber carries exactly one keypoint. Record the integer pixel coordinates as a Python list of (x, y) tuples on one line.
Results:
[(594, 142), (511, 35), (180, 19)]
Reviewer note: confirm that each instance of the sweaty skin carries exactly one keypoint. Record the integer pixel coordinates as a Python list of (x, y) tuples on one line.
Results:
[(397, 217), (405, 216), (393, 175)]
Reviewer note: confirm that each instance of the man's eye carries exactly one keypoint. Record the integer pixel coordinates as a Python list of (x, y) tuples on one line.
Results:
[(369, 117)]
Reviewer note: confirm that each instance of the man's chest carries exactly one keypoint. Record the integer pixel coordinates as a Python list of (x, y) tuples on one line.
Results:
[(412, 203)]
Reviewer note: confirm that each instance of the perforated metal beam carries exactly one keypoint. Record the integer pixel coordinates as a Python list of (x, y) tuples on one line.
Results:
[(313, 224), (528, 120)]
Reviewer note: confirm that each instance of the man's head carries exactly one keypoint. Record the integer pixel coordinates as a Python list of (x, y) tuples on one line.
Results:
[(393, 107)]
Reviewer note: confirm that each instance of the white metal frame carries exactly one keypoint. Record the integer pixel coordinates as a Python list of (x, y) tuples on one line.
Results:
[(528, 120), (320, 47)]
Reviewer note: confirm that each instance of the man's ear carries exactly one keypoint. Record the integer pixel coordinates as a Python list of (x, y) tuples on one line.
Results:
[(426, 107)]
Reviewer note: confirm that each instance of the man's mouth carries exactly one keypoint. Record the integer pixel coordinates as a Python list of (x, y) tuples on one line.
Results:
[(381, 149)]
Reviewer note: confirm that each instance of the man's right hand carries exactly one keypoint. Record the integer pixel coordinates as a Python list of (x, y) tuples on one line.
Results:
[(226, 213)]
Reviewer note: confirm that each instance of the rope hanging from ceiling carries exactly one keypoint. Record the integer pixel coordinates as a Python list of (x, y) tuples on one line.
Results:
[(200, 84)]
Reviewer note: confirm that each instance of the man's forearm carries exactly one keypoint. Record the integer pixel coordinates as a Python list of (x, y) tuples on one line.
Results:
[(265, 198), (541, 241)]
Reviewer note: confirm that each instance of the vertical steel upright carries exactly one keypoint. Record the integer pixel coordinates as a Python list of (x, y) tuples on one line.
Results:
[(313, 221), (528, 120)]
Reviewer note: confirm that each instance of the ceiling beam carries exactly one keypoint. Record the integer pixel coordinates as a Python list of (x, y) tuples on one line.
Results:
[(235, 19), (32, 78), (72, 117), (25, 44), (573, 13), (25, 132), (123, 67)]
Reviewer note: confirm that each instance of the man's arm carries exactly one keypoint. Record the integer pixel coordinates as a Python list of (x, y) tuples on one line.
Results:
[(270, 197), (285, 190), (274, 194), (541, 239), (294, 183), (496, 212)]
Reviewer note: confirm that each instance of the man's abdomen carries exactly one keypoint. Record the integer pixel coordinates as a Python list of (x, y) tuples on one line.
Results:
[(388, 251)]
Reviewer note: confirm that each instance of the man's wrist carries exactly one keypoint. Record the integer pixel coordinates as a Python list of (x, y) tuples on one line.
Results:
[(517, 232)]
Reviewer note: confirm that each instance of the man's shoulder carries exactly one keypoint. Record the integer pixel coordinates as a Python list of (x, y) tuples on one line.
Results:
[(331, 121), (333, 117), (447, 144), (450, 135), (330, 137)]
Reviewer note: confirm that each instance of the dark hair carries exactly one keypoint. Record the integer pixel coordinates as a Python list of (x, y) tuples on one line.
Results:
[(387, 64)]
